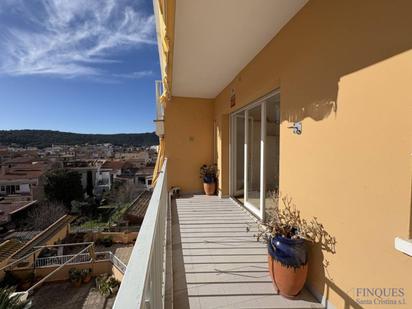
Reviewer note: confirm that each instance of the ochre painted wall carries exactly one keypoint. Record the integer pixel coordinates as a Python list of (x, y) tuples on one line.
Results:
[(344, 68), (98, 268), (188, 141)]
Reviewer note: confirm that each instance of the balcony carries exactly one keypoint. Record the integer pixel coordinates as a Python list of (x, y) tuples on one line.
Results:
[(159, 121), (197, 253)]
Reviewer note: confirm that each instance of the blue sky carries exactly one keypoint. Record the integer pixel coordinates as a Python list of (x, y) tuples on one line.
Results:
[(78, 65)]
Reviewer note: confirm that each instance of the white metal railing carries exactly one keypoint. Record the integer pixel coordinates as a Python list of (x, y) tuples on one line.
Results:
[(143, 284), (81, 258), (62, 259), (117, 262), (159, 110)]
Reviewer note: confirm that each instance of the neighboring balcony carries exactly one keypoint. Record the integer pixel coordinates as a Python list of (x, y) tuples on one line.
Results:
[(159, 121), (196, 252)]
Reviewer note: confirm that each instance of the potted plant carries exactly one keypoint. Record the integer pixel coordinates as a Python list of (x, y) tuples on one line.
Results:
[(288, 237), (75, 276), (86, 275), (107, 285), (208, 173)]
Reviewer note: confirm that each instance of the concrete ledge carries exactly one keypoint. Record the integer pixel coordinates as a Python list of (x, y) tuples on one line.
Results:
[(403, 245)]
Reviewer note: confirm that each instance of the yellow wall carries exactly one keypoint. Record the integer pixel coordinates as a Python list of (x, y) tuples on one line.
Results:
[(98, 268), (116, 237), (344, 68), (188, 141)]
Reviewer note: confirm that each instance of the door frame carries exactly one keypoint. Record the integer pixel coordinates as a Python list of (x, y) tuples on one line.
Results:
[(259, 213)]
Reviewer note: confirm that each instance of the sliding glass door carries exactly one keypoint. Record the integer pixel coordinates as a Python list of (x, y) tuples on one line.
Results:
[(255, 154)]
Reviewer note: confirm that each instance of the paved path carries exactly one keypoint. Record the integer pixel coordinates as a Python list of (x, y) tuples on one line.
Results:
[(63, 295)]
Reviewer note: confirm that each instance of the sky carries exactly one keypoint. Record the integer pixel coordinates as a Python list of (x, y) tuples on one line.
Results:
[(86, 66)]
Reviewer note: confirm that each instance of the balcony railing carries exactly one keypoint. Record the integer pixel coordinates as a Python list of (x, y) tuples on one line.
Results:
[(159, 110), (73, 259), (60, 260), (117, 262), (143, 285)]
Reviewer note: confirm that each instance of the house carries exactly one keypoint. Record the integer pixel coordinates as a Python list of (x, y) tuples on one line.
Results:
[(23, 176), (115, 168), (103, 181), (309, 98), (144, 177), (12, 209)]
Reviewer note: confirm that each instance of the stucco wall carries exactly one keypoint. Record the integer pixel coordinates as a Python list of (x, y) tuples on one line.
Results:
[(116, 237), (188, 141), (344, 69), (98, 268)]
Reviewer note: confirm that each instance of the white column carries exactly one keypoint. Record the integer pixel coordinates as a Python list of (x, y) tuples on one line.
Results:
[(262, 160), (246, 157)]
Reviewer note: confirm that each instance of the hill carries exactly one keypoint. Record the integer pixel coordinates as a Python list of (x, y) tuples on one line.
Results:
[(45, 138)]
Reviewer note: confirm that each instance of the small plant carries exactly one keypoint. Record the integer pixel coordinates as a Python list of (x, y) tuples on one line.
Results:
[(75, 276), (86, 275), (286, 221), (288, 254), (107, 285), (208, 173), (9, 280), (7, 301)]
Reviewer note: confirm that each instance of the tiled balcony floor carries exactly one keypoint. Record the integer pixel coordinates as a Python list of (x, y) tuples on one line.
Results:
[(217, 263)]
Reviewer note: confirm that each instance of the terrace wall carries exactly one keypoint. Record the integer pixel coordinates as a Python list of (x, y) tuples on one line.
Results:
[(188, 141), (344, 70), (98, 267)]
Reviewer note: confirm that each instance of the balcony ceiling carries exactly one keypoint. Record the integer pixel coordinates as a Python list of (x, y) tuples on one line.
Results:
[(215, 39)]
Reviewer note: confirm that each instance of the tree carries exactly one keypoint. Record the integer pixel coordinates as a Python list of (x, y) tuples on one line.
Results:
[(44, 215), (127, 193), (89, 187), (123, 192), (63, 186)]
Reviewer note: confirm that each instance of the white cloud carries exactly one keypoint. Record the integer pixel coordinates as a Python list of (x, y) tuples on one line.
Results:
[(69, 38), (134, 75)]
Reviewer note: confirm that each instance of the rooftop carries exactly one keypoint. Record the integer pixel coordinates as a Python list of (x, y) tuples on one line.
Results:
[(9, 206), (137, 210), (114, 164)]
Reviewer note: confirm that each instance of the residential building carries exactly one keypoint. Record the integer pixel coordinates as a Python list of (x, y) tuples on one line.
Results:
[(115, 168), (23, 176), (309, 98), (103, 181), (12, 209)]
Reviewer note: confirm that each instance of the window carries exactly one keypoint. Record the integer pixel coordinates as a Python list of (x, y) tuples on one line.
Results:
[(3, 188), (17, 188)]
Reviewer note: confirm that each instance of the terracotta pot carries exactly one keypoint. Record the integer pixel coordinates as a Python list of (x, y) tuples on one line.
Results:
[(77, 283), (288, 280), (87, 279), (209, 188)]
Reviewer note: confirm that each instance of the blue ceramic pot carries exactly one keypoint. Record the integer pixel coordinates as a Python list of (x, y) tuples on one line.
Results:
[(288, 252)]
